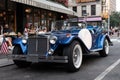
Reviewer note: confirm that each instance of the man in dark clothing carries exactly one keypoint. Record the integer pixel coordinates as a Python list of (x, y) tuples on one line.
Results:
[(6, 29)]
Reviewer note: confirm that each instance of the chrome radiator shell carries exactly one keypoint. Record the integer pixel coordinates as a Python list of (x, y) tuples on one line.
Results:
[(38, 45)]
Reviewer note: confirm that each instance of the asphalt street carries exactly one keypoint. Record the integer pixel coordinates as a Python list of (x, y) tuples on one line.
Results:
[(93, 67)]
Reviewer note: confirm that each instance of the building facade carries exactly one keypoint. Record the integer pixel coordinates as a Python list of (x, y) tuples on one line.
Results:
[(88, 10), (19, 14), (111, 5), (92, 11)]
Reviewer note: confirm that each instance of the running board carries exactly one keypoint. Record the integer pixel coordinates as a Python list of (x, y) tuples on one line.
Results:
[(95, 50)]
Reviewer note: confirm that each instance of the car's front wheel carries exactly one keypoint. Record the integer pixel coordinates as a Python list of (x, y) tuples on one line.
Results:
[(74, 53), (105, 51), (20, 63)]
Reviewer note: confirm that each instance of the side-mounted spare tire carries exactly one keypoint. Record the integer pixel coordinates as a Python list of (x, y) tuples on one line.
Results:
[(105, 51), (74, 53), (20, 63)]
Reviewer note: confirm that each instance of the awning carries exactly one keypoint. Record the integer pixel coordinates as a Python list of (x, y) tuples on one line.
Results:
[(48, 5)]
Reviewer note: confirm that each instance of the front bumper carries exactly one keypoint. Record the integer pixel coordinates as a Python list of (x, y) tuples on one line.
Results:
[(35, 58)]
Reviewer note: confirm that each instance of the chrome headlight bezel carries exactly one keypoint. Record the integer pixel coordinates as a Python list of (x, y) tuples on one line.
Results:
[(24, 41), (53, 39)]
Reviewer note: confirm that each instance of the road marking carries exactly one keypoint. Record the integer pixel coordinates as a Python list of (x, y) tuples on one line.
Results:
[(103, 74)]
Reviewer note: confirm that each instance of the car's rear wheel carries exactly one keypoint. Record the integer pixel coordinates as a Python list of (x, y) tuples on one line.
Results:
[(74, 53), (105, 51), (20, 63)]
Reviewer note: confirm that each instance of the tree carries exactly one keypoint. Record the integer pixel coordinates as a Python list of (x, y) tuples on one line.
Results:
[(115, 19)]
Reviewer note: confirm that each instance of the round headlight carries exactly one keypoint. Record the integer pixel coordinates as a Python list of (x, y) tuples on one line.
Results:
[(51, 51), (53, 39), (24, 41)]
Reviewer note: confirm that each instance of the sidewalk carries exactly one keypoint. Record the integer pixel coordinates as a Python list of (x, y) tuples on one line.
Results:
[(114, 36), (4, 61)]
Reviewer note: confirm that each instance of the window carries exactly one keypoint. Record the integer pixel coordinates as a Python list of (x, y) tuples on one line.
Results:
[(93, 9), (2, 4), (36, 18), (84, 10), (75, 8)]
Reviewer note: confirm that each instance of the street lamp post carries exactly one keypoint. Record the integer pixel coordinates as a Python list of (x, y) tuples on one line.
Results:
[(106, 14), (85, 18), (108, 5), (108, 22)]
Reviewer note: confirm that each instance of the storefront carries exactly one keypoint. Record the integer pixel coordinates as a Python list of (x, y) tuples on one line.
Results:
[(31, 13), (7, 13)]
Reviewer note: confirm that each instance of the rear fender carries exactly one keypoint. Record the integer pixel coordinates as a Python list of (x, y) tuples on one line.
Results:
[(101, 41)]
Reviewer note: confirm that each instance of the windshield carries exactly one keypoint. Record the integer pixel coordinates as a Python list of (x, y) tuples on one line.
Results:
[(66, 25)]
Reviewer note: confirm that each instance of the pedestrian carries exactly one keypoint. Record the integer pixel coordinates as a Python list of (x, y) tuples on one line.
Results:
[(1, 35), (19, 35), (6, 31), (1, 29), (118, 33)]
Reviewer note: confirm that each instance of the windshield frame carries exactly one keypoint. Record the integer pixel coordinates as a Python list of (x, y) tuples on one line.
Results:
[(67, 25)]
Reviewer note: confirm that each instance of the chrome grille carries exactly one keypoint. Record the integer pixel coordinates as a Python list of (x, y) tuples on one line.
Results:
[(38, 45)]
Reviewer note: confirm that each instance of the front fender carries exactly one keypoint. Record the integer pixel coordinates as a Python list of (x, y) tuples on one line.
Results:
[(69, 40), (66, 40), (23, 46)]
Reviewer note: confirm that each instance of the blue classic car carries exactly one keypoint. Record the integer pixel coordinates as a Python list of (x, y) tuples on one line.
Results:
[(67, 42)]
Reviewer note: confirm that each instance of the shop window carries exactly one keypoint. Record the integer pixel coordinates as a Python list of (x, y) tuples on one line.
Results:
[(50, 19), (36, 18), (2, 18), (2, 5), (10, 20), (29, 16), (39, 17), (43, 17), (7, 13)]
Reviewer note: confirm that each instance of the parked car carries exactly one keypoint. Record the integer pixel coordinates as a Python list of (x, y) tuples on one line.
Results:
[(67, 42)]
